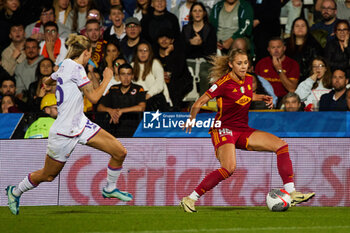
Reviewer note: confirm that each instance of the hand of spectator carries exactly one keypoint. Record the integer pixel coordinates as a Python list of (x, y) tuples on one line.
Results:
[(219, 45), (314, 76), (50, 43), (256, 22), (227, 43), (42, 90), (277, 64), (107, 74), (16, 53), (109, 60), (344, 44), (196, 40), (38, 36), (114, 116), (169, 49)]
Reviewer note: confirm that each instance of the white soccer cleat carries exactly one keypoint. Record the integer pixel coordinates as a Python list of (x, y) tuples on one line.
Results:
[(187, 205)]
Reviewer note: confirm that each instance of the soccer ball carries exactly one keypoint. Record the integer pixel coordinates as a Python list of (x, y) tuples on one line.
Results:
[(278, 200)]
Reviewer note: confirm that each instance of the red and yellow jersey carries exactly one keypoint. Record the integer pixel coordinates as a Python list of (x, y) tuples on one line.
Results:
[(233, 99)]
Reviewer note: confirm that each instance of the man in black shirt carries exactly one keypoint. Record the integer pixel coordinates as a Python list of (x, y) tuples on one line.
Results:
[(124, 102)]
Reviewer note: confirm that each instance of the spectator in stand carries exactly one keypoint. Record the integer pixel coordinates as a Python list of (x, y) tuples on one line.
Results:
[(53, 46), (319, 83), (232, 19), (280, 70), (62, 10), (142, 8), (343, 9), (38, 89), (14, 53), (96, 15), (93, 33), (149, 74), (133, 37), (176, 74), (266, 25), (326, 26), (182, 11), (36, 29), (336, 99), (25, 71), (79, 13), (157, 20), (115, 79), (291, 10), (302, 47), (123, 98), (10, 13), (8, 87), (41, 127), (200, 42), (120, 3), (111, 52), (337, 51), (261, 86), (115, 32), (8, 104), (291, 103)]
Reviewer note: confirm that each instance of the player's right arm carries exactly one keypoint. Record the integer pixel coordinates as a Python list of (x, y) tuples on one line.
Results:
[(196, 107), (94, 95)]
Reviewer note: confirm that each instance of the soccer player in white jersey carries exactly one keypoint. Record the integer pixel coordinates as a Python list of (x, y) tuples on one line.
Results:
[(72, 126)]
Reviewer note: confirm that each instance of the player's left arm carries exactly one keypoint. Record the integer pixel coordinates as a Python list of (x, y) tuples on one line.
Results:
[(266, 98)]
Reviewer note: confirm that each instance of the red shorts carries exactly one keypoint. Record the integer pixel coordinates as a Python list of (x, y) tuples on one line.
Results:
[(222, 136)]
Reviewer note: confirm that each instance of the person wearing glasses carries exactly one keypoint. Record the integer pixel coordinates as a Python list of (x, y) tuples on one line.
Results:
[(318, 83), (329, 19), (133, 37), (337, 51), (53, 46)]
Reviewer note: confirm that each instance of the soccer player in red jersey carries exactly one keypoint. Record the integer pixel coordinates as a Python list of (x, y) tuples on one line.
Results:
[(233, 91)]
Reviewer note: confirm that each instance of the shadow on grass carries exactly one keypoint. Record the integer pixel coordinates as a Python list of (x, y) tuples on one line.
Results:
[(62, 212), (234, 208)]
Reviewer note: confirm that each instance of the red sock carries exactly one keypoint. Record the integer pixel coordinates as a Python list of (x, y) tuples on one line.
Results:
[(284, 164), (211, 180)]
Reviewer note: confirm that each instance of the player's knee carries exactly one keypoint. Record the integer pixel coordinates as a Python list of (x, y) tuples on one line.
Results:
[(231, 168), (49, 178), (280, 145), (120, 153)]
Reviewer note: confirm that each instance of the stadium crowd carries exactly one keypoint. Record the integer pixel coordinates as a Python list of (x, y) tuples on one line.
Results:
[(304, 63)]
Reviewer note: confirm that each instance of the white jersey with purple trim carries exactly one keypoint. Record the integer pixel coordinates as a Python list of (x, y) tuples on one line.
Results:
[(71, 119)]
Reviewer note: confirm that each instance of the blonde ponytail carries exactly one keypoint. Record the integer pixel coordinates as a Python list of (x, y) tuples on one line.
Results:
[(77, 44)]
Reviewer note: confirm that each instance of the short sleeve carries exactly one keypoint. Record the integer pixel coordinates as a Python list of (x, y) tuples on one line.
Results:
[(54, 76), (79, 76), (214, 91)]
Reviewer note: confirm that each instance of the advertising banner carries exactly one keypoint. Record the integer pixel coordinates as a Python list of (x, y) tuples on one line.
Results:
[(160, 172)]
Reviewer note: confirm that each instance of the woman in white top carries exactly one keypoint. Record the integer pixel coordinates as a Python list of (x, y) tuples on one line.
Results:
[(72, 126), (142, 8), (149, 74), (319, 83), (78, 14)]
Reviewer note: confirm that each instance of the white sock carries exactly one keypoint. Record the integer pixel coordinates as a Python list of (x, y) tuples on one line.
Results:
[(112, 177), (289, 187), (23, 186), (194, 195)]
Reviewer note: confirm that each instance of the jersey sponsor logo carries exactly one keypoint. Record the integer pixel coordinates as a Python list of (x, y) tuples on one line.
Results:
[(242, 90), (243, 100), (213, 88), (223, 132), (133, 92), (266, 70), (249, 87)]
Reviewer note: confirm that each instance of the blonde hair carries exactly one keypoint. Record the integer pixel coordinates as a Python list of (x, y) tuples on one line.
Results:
[(66, 11), (220, 64), (77, 44)]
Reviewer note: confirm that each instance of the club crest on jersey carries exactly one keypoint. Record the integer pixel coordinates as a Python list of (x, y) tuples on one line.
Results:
[(242, 90), (213, 88), (133, 92), (243, 100)]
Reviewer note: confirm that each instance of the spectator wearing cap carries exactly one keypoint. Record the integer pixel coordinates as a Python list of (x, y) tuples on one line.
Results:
[(133, 37), (158, 19), (41, 127), (176, 74)]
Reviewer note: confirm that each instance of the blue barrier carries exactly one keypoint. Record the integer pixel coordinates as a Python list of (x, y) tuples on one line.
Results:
[(282, 124), (8, 124)]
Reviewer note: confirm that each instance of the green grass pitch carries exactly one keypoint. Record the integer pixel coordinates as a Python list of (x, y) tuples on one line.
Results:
[(171, 219)]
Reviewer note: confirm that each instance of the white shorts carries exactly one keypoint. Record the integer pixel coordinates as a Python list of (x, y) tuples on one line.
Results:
[(60, 147)]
